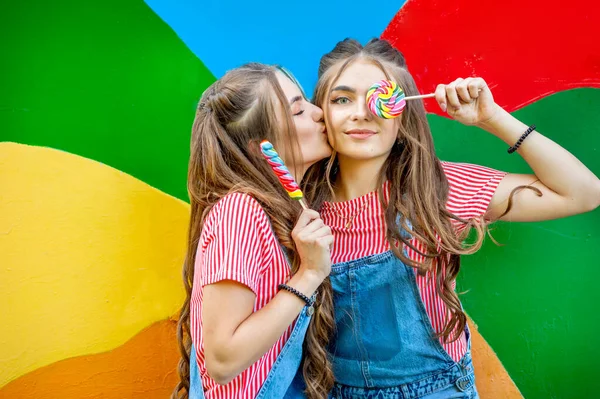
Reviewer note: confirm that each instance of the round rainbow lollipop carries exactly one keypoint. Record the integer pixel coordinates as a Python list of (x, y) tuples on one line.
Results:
[(282, 172), (387, 100)]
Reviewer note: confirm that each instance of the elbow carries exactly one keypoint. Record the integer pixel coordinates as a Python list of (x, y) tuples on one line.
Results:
[(593, 198), (220, 370), (221, 377)]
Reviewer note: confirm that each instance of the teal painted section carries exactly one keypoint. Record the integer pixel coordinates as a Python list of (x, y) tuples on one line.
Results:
[(107, 80), (535, 298)]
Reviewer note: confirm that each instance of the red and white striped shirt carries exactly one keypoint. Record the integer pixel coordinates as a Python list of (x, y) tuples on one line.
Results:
[(237, 243), (471, 190)]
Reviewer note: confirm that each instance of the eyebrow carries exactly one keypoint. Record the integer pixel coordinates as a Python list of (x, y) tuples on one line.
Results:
[(344, 88), (293, 100)]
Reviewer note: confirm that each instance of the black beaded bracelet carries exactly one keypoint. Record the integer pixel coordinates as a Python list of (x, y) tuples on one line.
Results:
[(307, 300), (521, 139)]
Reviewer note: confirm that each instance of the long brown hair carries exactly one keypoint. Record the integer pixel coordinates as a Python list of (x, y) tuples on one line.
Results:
[(234, 114), (418, 186)]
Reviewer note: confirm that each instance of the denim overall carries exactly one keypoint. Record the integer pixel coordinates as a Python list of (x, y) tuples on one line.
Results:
[(385, 346), (285, 378)]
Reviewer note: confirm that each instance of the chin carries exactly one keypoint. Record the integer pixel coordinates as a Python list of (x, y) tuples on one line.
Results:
[(363, 155)]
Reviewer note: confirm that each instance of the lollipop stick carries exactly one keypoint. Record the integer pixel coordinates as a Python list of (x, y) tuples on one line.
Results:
[(420, 96), (303, 204)]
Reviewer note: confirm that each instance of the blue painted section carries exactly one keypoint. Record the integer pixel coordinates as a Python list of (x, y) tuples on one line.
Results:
[(294, 34)]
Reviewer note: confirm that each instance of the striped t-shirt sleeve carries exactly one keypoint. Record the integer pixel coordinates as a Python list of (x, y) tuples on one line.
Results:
[(236, 244), (471, 188)]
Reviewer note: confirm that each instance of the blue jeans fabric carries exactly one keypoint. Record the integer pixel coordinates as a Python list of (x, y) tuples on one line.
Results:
[(456, 382), (385, 346), (284, 379)]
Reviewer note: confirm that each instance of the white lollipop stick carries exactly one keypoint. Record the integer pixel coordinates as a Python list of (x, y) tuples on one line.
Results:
[(420, 96)]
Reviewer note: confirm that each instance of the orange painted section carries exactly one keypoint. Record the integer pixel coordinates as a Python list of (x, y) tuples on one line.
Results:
[(143, 368), (491, 378)]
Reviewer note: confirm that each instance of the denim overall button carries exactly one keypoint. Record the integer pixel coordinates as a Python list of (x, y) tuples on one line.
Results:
[(310, 311), (462, 384)]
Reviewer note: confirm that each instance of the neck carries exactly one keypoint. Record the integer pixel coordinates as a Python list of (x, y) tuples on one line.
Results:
[(357, 177), (298, 173)]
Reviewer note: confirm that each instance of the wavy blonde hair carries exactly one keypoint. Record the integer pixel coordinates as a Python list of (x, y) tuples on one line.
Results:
[(234, 114), (418, 185)]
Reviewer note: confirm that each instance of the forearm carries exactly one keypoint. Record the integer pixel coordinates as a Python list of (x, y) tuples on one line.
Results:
[(556, 168), (260, 331)]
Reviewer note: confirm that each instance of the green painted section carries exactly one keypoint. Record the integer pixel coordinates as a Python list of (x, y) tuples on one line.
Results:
[(107, 80), (535, 298)]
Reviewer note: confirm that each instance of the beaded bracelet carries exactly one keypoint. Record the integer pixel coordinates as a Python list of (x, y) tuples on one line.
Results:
[(520, 141), (307, 300)]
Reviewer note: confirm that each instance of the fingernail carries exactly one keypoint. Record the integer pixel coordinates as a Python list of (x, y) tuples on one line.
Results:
[(443, 105)]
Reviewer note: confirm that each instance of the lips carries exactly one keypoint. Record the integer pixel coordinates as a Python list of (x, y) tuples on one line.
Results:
[(360, 134)]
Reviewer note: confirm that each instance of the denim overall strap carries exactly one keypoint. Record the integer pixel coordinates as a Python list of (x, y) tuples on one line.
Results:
[(196, 390), (383, 334), (282, 381)]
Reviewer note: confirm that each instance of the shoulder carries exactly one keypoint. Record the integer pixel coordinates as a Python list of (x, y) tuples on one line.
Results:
[(456, 171), (470, 177), (471, 187), (240, 211), (238, 203)]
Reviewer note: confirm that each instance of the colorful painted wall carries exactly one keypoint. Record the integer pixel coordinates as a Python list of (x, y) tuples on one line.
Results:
[(96, 104)]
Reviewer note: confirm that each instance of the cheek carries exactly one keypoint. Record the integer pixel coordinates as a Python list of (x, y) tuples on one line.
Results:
[(308, 134), (334, 131), (303, 129), (336, 123), (390, 127)]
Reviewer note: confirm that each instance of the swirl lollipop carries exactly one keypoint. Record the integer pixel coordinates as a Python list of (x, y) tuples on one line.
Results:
[(282, 172), (387, 100)]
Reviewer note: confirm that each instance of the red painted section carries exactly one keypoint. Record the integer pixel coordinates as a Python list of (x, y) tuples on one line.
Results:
[(524, 49)]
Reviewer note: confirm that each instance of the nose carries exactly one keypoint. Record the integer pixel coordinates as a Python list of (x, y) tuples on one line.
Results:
[(361, 111), (317, 113)]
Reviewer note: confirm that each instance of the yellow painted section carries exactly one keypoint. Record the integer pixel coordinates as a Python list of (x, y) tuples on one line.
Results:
[(89, 256)]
